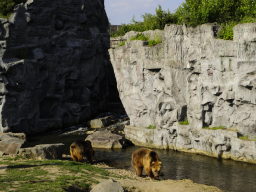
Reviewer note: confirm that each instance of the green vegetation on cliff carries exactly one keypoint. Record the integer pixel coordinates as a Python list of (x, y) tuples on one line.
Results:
[(6, 7), (196, 12), (185, 122)]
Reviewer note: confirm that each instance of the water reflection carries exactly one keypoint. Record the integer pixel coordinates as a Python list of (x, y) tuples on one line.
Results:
[(226, 175)]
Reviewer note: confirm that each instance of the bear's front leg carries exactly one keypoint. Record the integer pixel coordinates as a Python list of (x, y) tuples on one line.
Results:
[(149, 172)]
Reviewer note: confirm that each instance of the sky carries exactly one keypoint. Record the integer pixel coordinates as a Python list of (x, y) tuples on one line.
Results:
[(121, 11)]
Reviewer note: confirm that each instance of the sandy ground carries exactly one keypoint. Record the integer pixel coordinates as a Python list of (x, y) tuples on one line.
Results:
[(145, 184)]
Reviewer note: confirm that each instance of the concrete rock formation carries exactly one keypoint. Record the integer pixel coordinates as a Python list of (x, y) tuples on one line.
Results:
[(108, 186), (193, 75), (53, 64), (105, 139), (10, 143), (44, 151)]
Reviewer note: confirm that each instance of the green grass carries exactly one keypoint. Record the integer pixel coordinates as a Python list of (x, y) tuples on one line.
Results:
[(140, 36), (216, 128), (184, 122), (29, 175), (246, 138), (121, 44), (151, 127)]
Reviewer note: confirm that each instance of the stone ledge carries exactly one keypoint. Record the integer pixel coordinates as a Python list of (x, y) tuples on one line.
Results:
[(215, 143)]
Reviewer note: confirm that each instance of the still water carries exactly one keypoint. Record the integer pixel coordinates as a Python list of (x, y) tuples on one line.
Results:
[(225, 174)]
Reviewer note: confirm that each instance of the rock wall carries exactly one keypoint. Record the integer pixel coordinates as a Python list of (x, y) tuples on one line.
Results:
[(53, 64), (193, 75)]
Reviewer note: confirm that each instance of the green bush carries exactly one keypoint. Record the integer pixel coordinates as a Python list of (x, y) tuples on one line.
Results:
[(6, 7), (157, 39), (140, 36), (184, 122), (226, 31), (150, 22), (228, 13)]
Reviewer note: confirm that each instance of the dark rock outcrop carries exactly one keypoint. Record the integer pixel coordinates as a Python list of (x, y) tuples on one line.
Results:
[(53, 64)]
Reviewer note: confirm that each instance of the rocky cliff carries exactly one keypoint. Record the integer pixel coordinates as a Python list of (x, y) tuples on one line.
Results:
[(193, 75), (53, 64)]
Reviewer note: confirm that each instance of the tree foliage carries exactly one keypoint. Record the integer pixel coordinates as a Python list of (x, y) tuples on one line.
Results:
[(6, 6), (150, 22), (196, 12), (228, 13)]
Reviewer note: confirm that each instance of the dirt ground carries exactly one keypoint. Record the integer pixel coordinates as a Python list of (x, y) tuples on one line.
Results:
[(132, 183), (145, 184)]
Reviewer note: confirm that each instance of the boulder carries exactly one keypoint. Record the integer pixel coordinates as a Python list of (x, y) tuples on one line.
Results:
[(11, 143), (101, 122), (108, 186), (41, 152), (17, 135), (105, 139)]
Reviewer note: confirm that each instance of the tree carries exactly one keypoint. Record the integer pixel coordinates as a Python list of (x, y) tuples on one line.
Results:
[(6, 6)]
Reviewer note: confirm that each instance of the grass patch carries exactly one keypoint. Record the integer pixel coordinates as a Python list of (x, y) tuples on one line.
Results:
[(30, 175), (185, 122), (151, 127), (121, 44), (246, 138), (216, 128)]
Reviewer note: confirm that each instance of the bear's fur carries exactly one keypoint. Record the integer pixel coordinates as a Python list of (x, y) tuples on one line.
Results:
[(149, 160), (79, 149)]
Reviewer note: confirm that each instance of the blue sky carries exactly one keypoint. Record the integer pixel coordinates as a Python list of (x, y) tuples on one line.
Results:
[(121, 11)]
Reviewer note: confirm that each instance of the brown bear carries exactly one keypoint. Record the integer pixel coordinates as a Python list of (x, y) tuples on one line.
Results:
[(79, 149), (149, 160)]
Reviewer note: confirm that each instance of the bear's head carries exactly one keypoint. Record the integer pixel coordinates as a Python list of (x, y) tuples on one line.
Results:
[(156, 167)]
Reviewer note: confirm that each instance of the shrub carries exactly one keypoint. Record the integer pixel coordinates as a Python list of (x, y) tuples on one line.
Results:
[(226, 31), (150, 22), (6, 7), (184, 122), (139, 36), (157, 39)]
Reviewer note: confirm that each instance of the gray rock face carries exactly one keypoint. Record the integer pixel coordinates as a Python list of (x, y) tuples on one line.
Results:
[(223, 144), (53, 64), (192, 75), (105, 139), (41, 152), (11, 143), (108, 186)]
